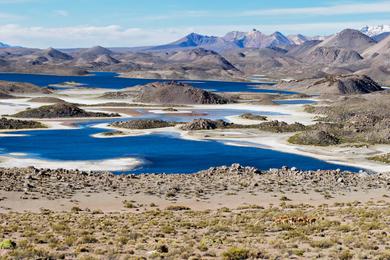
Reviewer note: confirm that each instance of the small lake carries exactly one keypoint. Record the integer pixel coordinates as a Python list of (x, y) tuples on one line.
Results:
[(160, 153), (111, 80)]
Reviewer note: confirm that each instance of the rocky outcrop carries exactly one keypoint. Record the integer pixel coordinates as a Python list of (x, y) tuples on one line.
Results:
[(143, 124), (8, 87), (205, 124), (12, 124), (336, 85), (315, 137), (60, 110), (280, 127), (251, 116)]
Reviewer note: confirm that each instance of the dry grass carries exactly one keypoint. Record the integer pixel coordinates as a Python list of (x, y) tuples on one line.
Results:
[(339, 232)]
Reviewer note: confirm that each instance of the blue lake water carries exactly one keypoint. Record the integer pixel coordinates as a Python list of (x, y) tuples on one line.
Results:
[(110, 80), (160, 153)]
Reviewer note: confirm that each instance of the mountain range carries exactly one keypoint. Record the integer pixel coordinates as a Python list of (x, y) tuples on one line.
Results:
[(234, 40), (234, 56)]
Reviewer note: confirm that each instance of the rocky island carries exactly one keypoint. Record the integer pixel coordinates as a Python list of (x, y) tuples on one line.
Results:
[(60, 110), (168, 93), (11, 124)]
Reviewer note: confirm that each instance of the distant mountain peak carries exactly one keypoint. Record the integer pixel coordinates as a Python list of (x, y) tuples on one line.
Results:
[(232, 40), (375, 30), (349, 39), (53, 54), (4, 45), (378, 32)]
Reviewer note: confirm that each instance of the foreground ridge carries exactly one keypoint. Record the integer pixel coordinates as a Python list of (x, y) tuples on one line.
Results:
[(60, 183)]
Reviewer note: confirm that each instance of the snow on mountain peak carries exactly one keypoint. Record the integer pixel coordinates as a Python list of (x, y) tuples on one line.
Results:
[(375, 30)]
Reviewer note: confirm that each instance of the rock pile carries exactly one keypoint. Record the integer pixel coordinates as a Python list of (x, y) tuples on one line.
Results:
[(143, 124), (19, 124), (60, 183), (205, 124)]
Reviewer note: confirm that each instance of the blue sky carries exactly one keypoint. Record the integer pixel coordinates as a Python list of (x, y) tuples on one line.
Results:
[(83, 23)]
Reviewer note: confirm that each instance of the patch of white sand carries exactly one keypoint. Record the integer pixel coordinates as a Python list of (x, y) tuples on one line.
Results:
[(120, 164)]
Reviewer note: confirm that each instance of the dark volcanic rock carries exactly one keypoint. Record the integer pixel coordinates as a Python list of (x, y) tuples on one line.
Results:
[(143, 124), (280, 127), (205, 124), (60, 110), (356, 84), (19, 124), (335, 85)]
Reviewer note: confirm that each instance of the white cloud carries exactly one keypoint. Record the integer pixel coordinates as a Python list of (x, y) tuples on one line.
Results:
[(328, 10), (341, 9), (83, 36), (117, 36)]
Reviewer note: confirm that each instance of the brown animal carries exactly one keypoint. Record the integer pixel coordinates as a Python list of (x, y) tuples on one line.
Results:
[(303, 220)]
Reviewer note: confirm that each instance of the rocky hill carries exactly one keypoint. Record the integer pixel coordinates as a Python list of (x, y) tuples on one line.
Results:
[(8, 87), (52, 54), (382, 47), (332, 55), (337, 85), (13, 124), (349, 39), (176, 93), (168, 93), (60, 110)]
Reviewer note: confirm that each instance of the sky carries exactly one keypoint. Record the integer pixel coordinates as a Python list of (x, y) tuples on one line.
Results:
[(129, 23)]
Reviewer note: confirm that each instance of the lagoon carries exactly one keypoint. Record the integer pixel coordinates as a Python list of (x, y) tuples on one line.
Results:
[(110, 80)]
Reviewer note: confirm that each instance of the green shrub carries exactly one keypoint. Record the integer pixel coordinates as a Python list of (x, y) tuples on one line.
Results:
[(7, 244), (236, 253)]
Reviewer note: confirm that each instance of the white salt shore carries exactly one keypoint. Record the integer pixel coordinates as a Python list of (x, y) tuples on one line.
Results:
[(119, 164)]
